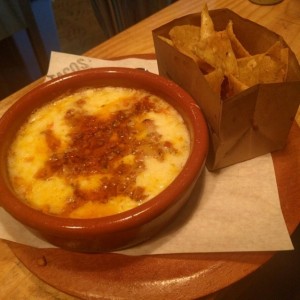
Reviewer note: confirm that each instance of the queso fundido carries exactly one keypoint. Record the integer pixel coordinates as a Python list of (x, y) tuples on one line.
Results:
[(98, 152)]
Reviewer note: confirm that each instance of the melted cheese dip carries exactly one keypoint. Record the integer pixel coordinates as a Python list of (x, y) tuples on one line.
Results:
[(98, 152)]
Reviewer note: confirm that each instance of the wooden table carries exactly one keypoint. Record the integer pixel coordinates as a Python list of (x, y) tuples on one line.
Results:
[(19, 283)]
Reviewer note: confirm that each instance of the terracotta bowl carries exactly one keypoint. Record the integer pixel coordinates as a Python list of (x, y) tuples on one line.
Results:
[(127, 228)]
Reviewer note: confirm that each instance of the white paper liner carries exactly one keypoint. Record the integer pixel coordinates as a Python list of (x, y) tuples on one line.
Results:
[(234, 209)]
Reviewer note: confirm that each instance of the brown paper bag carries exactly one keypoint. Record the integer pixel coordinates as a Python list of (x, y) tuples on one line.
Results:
[(252, 123)]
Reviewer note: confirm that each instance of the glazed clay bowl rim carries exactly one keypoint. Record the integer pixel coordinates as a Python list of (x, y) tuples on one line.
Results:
[(118, 222)]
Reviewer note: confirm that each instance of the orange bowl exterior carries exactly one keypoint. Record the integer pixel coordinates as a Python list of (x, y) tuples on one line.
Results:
[(120, 230)]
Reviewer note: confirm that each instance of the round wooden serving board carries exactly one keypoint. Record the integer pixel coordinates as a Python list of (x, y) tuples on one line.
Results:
[(106, 276)]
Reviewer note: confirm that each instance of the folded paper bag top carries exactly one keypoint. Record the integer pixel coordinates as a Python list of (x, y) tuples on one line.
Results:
[(251, 123)]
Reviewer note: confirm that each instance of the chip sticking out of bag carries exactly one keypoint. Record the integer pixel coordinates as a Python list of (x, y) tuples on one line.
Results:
[(186, 38), (214, 47), (227, 65), (236, 45)]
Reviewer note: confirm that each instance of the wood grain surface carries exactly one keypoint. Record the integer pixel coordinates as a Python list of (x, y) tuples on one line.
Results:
[(172, 277)]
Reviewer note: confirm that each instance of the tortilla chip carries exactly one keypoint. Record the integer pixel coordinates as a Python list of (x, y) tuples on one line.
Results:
[(215, 80), (235, 86), (185, 38), (261, 68), (249, 69), (271, 70), (207, 25), (168, 41), (275, 50), (205, 67), (280, 55), (216, 50), (237, 47)]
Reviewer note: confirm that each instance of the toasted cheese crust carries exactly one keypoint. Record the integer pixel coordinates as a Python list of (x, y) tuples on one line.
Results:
[(98, 152)]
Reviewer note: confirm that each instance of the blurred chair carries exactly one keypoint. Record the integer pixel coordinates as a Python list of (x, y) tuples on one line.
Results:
[(27, 36), (31, 16), (116, 15), (41, 29)]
